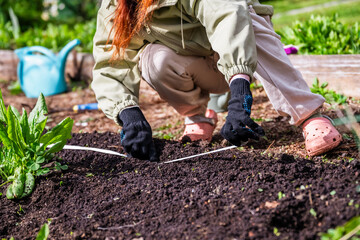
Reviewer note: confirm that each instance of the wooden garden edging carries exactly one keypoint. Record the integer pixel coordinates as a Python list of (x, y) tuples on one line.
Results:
[(77, 65), (342, 72)]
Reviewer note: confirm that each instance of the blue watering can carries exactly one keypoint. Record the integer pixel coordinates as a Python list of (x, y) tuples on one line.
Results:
[(43, 73)]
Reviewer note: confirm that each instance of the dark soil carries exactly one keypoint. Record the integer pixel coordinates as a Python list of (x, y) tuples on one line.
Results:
[(227, 195), (244, 193)]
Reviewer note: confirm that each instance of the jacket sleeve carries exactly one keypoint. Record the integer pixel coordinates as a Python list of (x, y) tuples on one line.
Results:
[(116, 84), (229, 30)]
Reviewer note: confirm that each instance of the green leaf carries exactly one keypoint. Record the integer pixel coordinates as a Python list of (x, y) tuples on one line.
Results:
[(37, 115), (16, 112), (24, 124), (35, 166), (18, 185), (64, 167), (324, 85), (42, 171), (60, 167), (9, 192), (56, 147), (3, 117), (4, 137), (312, 212), (38, 130), (58, 134), (40, 159), (43, 233), (14, 133), (29, 185)]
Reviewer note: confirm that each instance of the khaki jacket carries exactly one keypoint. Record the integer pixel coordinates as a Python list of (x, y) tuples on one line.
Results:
[(189, 27)]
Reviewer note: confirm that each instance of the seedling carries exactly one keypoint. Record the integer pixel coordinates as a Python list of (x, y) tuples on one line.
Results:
[(24, 151), (312, 212), (281, 195), (255, 85), (350, 230), (20, 210), (330, 96), (59, 167), (159, 134), (276, 232), (44, 232)]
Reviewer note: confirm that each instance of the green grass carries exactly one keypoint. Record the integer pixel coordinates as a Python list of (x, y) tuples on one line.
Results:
[(281, 6), (348, 13)]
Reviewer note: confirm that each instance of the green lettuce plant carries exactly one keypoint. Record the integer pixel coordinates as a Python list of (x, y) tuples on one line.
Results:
[(350, 230), (25, 149), (322, 35), (330, 95)]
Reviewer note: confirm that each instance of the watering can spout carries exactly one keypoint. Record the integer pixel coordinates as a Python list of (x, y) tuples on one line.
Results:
[(66, 50)]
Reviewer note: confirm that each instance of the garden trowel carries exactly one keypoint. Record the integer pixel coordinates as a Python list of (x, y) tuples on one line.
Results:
[(77, 108)]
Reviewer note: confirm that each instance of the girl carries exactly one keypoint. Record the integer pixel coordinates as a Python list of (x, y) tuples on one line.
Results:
[(189, 49)]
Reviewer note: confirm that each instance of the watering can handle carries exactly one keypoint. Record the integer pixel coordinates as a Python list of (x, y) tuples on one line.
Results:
[(24, 51), (42, 50)]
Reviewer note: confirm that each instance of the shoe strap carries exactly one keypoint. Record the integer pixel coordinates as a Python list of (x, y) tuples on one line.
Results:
[(198, 119)]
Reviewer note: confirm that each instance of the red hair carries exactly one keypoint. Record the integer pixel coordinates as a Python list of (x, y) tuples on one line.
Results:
[(130, 17)]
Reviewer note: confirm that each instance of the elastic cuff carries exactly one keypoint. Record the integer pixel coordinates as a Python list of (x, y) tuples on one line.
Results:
[(238, 69), (240, 75), (120, 107)]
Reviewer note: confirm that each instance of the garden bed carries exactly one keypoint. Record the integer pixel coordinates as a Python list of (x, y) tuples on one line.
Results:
[(263, 190), (236, 194)]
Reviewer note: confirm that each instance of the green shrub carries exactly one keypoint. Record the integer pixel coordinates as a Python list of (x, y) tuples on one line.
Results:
[(323, 35), (6, 34), (54, 37), (27, 12)]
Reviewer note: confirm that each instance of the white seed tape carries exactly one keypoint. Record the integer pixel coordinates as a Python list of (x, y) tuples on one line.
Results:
[(201, 154), (72, 147)]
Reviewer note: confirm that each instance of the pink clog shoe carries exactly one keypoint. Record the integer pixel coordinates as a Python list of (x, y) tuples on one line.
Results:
[(200, 130), (320, 136)]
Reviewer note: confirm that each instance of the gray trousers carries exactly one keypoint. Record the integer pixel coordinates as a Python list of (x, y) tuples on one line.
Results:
[(187, 82)]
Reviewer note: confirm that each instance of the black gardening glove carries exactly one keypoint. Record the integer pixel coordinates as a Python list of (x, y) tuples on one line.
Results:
[(235, 129), (136, 135)]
